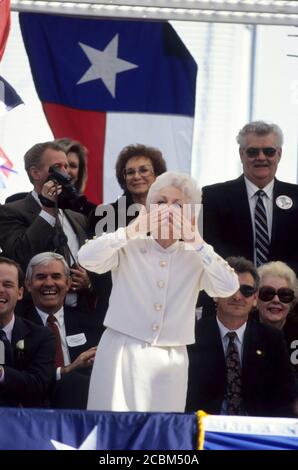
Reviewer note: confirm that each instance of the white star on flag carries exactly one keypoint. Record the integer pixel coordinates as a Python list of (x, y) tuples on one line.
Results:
[(105, 65), (88, 444)]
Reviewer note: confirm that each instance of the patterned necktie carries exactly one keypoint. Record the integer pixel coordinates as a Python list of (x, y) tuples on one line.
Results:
[(261, 230), (233, 377), (51, 323), (8, 355)]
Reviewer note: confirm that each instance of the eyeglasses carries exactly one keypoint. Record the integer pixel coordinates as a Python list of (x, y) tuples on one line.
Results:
[(253, 152), (144, 170), (246, 290), (284, 294)]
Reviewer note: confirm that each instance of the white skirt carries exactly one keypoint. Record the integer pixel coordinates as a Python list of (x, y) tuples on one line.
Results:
[(131, 375)]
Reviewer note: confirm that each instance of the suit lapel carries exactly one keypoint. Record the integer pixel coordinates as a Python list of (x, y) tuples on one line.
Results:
[(31, 204), (238, 202), (252, 353), (19, 333), (34, 317), (77, 228), (280, 217)]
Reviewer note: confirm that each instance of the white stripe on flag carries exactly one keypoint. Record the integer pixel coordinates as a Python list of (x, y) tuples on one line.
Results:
[(169, 133)]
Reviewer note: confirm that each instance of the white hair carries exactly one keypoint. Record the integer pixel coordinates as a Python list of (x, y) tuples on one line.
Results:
[(259, 128), (43, 259), (187, 185), (282, 270)]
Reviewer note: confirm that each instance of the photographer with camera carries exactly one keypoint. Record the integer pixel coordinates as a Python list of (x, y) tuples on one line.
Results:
[(42, 222)]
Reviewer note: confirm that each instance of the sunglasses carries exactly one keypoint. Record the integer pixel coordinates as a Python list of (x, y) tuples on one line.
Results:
[(284, 294), (246, 290), (144, 170), (253, 152)]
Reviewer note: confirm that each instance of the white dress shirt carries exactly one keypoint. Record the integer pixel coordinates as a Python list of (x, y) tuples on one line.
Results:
[(225, 341), (8, 331), (238, 338)]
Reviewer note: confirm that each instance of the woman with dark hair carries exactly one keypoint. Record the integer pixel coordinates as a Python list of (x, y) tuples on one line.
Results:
[(137, 167), (77, 160)]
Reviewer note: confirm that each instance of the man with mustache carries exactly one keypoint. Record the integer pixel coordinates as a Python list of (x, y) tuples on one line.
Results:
[(231, 208)]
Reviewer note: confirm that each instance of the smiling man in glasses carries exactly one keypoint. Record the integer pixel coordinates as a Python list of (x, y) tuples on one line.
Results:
[(254, 215), (239, 366)]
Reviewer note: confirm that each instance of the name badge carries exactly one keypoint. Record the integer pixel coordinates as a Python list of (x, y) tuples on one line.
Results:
[(284, 202), (76, 340)]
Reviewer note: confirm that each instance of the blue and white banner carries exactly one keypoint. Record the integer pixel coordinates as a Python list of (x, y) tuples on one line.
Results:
[(248, 433), (25, 429)]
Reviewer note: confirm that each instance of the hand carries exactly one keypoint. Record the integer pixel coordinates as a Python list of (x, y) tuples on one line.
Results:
[(139, 227), (185, 226), (51, 190), (85, 359), (79, 278), (147, 222)]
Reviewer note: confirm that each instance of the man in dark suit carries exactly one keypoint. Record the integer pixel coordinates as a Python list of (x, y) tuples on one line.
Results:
[(229, 208), (30, 226), (48, 281), (265, 384), (29, 350), (229, 219)]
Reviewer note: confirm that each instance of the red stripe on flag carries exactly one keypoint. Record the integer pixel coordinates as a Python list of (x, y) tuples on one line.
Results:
[(88, 127), (4, 24)]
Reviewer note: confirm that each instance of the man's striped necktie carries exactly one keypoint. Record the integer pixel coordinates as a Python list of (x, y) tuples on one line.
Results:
[(262, 241)]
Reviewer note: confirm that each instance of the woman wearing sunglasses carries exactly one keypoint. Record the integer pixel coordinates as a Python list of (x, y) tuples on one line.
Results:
[(278, 295)]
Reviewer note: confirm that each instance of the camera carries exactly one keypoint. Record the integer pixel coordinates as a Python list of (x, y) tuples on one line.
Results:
[(69, 196), (68, 189)]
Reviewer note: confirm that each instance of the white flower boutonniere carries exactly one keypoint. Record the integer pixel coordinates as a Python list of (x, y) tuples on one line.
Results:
[(20, 345)]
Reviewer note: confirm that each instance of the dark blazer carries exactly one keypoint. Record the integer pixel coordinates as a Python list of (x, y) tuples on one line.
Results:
[(72, 390), (75, 322), (24, 234), (28, 381), (118, 209), (228, 225), (268, 385)]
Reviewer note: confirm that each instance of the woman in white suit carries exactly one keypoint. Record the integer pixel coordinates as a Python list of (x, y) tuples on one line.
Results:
[(159, 264)]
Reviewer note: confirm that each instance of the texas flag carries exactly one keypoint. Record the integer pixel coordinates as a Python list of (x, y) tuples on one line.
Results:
[(9, 98), (112, 83), (4, 24)]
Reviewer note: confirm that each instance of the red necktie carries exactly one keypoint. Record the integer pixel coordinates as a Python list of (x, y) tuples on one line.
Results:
[(51, 323)]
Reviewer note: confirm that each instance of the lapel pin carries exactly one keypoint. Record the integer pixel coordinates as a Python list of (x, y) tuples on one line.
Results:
[(259, 352), (284, 202)]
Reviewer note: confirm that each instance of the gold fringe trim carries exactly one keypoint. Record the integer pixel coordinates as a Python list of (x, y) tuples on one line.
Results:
[(201, 431)]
